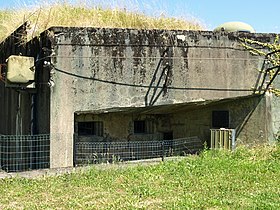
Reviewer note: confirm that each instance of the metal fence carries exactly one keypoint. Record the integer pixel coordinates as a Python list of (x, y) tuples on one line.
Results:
[(28, 152), (24, 152), (108, 152)]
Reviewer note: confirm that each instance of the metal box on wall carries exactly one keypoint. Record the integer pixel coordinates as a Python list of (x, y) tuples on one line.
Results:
[(20, 70), (223, 138)]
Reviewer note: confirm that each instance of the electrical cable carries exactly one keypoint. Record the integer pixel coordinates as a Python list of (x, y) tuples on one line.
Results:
[(148, 57), (150, 46), (148, 86)]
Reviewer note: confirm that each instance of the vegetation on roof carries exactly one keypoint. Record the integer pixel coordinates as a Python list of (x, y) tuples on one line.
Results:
[(64, 13), (271, 54)]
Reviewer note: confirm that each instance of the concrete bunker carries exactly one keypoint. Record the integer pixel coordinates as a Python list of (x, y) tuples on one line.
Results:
[(106, 87)]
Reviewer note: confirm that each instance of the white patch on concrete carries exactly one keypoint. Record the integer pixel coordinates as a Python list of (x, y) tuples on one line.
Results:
[(181, 37)]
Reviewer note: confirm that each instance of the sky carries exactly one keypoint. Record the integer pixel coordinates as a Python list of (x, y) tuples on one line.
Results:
[(263, 16)]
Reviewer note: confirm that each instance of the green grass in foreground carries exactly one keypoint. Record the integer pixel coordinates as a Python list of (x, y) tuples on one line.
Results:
[(244, 179)]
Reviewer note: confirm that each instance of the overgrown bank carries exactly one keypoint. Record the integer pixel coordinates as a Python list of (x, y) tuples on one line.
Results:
[(244, 179), (66, 14)]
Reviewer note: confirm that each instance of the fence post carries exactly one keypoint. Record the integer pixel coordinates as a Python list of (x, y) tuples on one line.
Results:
[(75, 136), (163, 150), (1, 147)]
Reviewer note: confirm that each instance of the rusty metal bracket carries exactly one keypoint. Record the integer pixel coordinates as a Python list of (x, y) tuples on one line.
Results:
[(163, 76), (266, 70), (273, 77)]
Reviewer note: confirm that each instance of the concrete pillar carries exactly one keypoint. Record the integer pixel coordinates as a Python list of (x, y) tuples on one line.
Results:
[(269, 117)]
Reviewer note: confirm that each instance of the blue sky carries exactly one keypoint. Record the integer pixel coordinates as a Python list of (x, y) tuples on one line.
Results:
[(264, 16)]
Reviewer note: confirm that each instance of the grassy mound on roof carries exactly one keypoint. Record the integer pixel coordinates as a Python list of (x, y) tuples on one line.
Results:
[(66, 14)]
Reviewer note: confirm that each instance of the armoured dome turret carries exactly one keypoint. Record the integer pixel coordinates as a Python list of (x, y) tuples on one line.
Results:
[(235, 27)]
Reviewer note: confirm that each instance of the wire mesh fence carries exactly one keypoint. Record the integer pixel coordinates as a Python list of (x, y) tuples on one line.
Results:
[(108, 152), (24, 152), (27, 152)]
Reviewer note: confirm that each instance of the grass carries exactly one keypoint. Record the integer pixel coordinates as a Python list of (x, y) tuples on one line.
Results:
[(62, 13), (244, 179)]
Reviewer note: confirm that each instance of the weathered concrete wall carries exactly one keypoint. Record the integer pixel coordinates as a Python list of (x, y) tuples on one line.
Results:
[(119, 126), (204, 65), (248, 116), (275, 111), (103, 68)]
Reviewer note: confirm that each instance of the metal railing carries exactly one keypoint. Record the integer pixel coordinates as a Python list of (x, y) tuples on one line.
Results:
[(24, 152), (109, 152)]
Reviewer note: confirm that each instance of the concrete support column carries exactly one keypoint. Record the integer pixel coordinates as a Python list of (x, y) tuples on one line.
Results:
[(268, 121), (61, 150)]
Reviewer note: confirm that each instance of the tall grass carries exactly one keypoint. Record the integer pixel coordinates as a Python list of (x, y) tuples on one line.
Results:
[(243, 179), (63, 13)]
